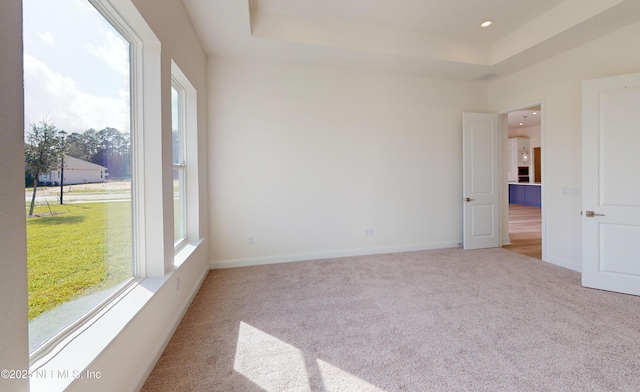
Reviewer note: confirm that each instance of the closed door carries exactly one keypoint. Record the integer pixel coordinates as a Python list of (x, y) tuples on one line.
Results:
[(481, 180), (611, 184)]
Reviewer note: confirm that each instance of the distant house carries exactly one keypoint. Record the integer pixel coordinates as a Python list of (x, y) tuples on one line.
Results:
[(76, 171)]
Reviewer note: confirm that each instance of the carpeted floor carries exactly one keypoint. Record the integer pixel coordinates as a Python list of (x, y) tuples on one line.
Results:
[(442, 320)]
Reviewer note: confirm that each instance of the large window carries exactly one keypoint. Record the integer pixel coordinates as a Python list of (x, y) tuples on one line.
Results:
[(94, 141), (79, 174)]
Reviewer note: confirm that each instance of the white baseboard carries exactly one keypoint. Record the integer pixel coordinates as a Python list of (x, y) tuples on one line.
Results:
[(168, 334), (251, 261), (564, 263)]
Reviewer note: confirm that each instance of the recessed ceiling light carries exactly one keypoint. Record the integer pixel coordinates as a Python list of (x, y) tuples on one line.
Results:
[(486, 23), (534, 113)]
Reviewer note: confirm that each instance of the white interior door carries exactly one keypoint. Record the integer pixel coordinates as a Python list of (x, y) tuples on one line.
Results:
[(611, 184), (481, 180)]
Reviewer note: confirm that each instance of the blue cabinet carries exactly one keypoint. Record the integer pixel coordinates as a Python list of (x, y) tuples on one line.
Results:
[(532, 195), (525, 194), (516, 194)]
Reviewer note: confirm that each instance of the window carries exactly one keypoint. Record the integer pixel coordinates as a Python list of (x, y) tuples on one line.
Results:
[(185, 158), (95, 80), (80, 253), (179, 165)]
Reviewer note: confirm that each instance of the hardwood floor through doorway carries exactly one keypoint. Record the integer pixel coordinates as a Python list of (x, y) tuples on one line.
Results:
[(525, 230)]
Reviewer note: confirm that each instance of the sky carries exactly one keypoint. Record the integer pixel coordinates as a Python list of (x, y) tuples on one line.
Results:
[(76, 67)]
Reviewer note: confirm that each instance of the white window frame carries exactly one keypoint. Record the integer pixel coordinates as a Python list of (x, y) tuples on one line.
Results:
[(189, 123), (146, 145)]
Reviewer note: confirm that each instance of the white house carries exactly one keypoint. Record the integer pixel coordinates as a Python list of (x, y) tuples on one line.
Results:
[(76, 171), (310, 129)]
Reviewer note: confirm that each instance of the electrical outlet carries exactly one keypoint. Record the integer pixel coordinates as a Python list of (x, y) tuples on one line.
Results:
[(178, 284), (368, 232), (251, 240)]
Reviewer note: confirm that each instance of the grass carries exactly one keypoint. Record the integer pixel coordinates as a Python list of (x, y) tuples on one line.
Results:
[(81, 249)]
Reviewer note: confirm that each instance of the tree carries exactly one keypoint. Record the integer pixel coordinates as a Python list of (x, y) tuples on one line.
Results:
[(112, 151), (76, 147), (41, 153), (108, 147), (90, 144)]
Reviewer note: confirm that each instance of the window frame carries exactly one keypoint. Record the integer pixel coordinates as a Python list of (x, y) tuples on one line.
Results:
[(189, 122), (146, 170)]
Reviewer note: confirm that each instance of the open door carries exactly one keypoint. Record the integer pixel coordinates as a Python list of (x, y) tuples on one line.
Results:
[(481, 180), (611, 184)]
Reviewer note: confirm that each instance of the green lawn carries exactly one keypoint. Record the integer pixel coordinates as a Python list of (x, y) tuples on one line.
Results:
[(81, 249)]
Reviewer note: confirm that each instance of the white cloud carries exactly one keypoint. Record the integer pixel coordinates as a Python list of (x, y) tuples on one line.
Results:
[(113, 50), (59, 98), (47, 37), (83, 5)]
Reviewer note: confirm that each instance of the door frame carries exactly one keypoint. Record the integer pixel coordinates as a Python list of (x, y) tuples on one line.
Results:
[(505, 180)]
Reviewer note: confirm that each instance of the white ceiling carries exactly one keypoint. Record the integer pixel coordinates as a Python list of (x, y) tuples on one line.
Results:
[(524, 118), (439, 17), (439, 38)]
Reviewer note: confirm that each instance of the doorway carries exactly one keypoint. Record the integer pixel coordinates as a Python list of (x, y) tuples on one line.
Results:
[(523, 174)]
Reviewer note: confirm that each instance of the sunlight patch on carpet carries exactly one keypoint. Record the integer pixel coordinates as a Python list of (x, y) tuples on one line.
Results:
[(269, 362), (338, 380)]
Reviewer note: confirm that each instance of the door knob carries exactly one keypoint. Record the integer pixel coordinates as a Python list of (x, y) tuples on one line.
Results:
[(468, 199), (591, 214)]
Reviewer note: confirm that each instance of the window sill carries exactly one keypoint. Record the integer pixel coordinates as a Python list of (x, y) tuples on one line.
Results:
[(60, 371), (184, 252)]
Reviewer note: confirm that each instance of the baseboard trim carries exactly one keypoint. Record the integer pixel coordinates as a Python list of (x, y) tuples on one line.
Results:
[(276, 259), (564, 263), (168, 334)]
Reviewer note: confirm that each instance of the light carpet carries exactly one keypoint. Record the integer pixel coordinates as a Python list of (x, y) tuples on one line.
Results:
[(441, 320)]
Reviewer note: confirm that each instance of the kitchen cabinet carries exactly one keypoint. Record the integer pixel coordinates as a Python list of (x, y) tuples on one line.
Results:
[(527, 194), (519, 156), (520, 150)]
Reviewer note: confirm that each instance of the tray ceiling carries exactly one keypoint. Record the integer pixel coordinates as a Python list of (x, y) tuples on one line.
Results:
[(437, 38)]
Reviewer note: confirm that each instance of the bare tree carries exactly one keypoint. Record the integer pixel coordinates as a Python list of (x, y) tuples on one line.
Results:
[(41, 153)]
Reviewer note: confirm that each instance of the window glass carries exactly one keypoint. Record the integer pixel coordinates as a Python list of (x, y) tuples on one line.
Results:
[(78, 198), (176, 117), (177, 135)]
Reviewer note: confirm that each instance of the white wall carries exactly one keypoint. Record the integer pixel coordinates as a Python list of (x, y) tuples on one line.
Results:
[(305, 158), (82, 176), (128, 359), (14, 340), (73, 176), (557, 82)]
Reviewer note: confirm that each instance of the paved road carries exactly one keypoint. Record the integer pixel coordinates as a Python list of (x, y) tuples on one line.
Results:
[(78, 198)]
